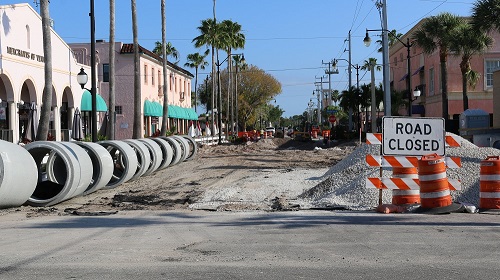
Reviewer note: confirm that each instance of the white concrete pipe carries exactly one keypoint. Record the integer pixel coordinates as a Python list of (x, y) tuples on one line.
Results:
[(193, 147), (64, 171), (102, 164), (124, 162), (176, 149), (166, 150), (184, 146), (18, 175), (155, 153), (143, 157)]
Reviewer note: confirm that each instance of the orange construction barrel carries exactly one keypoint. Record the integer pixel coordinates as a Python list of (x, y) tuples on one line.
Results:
[(489, 183), (434, 190), (405, 197), (314, 134)]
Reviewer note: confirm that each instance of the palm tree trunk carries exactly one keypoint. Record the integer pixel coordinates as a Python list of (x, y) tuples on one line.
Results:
[(164, 123), (465, 98), (137, 128), (112, 114), (43, 124), (195, 90), (444, 87)]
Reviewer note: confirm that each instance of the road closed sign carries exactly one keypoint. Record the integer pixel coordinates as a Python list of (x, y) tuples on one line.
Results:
[(413, 136)]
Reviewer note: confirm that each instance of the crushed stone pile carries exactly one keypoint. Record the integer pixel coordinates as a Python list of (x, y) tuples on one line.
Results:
[(344, 183)]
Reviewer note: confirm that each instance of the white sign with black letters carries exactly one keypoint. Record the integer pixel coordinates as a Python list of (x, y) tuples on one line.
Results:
[(413, 136)]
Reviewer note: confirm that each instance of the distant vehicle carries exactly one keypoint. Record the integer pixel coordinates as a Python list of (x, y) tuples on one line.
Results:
[(290, 132), (271, 129)]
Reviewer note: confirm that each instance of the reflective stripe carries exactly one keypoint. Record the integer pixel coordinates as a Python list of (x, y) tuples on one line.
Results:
[(489, 195), (405, 192), (435, 194), (495, 177), (432, 177)]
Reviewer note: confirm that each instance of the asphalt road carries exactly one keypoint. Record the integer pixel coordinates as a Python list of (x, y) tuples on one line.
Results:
[(250, 245)]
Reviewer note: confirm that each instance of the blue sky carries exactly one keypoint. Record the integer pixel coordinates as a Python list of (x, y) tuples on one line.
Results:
[(287, 38)]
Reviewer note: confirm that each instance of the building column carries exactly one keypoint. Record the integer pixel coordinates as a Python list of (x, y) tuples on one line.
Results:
[(57, 123), (14, 121)]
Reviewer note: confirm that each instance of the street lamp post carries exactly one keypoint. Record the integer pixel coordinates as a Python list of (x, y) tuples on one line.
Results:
[(219, 93), (82, 77)]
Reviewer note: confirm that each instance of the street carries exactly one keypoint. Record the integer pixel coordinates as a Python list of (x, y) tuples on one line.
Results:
[(250, 245)]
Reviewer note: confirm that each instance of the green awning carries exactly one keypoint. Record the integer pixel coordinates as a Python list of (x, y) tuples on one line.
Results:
[(152, 109), (86, 104), (177, 112)]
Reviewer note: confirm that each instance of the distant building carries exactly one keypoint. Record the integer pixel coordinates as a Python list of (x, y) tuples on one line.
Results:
[(151, 73), (425, 75)]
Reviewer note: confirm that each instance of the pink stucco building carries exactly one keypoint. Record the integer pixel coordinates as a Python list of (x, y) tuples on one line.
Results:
[(425, 74), (151, 72)]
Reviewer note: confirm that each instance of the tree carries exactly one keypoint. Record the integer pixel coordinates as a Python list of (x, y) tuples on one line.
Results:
[(208, 37), (466, 43), (164, 123), (436, 33), (485, 15), (170, 50), (367, 64), (255, 88), (196, 60), (137, 130), (233, 39), (392, 36), (110, 130), (43, 124)]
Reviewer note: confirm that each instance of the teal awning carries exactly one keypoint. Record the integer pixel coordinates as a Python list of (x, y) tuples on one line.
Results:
[(177, 112), (152, 109), (86, 104)]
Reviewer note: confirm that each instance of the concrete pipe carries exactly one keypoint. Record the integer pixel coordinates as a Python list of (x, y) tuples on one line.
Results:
[(18, 175), (176, 149), (167, 151), (124, 162), (64, 171), (155, 154), (143, 157), (193, 147), (102, 164), (184, 146)]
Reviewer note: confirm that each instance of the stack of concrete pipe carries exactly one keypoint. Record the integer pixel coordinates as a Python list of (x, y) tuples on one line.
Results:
[(45, 173)]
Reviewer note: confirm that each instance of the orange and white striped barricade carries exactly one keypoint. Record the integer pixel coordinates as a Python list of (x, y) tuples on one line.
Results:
[(406, 161), (405, 197), (489, 183)]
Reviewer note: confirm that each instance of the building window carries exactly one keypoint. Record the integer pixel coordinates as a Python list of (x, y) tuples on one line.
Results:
[(145, 74), (105, 72), (119, 110), (401, 56), (431, 82), (491, 66), (28, 35), (396, 61), (153, 76)]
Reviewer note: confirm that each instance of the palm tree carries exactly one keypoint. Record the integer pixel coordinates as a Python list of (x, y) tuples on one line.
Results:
[(371, 64), (208, 37), (137, 127), (485, 15), (233, 39), (164, 123), (171, 50), (196, 60), (43, 124), (368, 63), (437, 32), (240, 64), (112, 118), (392, 36), (468, 42)]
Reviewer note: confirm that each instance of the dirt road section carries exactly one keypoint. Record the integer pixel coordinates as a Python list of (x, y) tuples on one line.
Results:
[(261, 175)]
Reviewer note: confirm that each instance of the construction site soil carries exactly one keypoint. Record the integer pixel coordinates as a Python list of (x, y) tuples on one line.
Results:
[(226, 177)]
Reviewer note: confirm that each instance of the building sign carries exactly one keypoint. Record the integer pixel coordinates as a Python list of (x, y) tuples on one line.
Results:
[(413, 136), (25, 54)]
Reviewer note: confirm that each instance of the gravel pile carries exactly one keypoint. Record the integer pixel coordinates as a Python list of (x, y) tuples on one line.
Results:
[(344, 183)]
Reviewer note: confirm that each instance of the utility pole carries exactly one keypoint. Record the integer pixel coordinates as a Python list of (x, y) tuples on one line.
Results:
[(350, 80), (329, 72), (320, 103)]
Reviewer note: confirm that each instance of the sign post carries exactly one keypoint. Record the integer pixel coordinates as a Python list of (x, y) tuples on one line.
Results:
[(413, 136)]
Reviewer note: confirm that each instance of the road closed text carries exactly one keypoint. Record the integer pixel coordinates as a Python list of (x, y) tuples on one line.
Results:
[(413, 136)]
